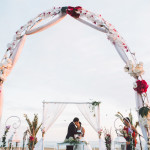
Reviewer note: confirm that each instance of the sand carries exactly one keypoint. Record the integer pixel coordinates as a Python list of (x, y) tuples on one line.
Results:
[(44, 149)]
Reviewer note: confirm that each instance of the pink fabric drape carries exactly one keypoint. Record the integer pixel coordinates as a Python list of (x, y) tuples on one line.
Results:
[(14, 57), (17, 51)]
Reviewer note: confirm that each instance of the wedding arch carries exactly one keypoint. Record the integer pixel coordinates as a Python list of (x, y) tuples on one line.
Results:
[(132, 66), (52, 111)]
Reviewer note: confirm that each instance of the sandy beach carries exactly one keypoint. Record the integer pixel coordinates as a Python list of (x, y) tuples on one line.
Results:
[(44, 149)]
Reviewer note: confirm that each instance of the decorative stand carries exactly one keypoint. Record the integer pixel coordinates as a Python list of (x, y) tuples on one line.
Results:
[(14, 137)]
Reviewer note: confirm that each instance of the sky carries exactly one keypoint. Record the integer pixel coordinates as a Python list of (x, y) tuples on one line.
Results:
[(73, 62)]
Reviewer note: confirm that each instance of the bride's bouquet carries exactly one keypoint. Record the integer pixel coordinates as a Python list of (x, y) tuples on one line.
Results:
[(71, 140), (75, 141)]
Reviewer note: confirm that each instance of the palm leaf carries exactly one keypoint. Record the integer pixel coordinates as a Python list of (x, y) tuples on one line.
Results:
[(131, 118), (36, 131), (136, 124), (29, 123), (35, 121), (120, 116)]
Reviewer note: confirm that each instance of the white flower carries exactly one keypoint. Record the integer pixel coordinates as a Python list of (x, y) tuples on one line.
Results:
[(143, 121), (71, 139), (111, 37), (139, 69), (133, 70)]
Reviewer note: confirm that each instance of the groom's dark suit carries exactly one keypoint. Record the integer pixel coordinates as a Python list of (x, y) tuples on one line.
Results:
[(72, 130)]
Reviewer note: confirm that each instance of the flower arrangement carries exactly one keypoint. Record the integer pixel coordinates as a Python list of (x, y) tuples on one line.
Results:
[(143, 119), (72, 11), (71, 140), (134, 70), (121, 117), (144, 111), (124, 133), (92, 107), (32, 131), (108, 140), (140, 86), (4, 137)]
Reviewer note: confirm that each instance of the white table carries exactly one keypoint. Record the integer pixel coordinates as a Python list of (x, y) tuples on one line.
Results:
[(68, 144)]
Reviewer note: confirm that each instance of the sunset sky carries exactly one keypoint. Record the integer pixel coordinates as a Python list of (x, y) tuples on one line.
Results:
[(73, 62)]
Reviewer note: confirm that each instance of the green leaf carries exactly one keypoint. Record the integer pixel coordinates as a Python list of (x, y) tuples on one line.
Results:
[(63, 9), (144, 111)]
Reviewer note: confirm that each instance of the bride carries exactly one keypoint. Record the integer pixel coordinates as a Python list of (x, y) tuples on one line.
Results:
[(81, 133)]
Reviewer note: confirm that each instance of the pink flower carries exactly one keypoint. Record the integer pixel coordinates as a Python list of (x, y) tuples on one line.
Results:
[(142, 86), (72, 11), (31, 138), (100, 131)]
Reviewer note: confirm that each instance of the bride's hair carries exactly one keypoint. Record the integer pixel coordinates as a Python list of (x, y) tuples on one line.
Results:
[(80, 123), (127, 119)]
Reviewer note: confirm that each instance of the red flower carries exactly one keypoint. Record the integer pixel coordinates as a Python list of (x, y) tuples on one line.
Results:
[(142, 86), (31, 138), (72, 11)]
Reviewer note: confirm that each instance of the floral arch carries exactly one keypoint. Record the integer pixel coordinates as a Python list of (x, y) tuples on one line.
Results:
[(132, 66)]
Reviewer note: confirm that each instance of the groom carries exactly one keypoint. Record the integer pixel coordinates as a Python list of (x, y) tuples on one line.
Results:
[(72, 130)]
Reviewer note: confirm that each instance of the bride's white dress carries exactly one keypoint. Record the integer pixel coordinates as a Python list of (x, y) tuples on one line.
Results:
[(87, 146)]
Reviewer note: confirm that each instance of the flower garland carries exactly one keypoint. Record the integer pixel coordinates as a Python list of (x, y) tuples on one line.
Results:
[(76, 12), (111, 32), (6, 63), (92, 107)]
